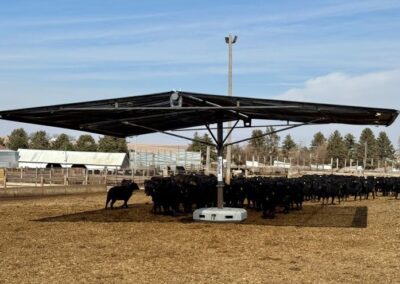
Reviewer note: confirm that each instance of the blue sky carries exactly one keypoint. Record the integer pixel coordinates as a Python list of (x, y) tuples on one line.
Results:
[(345, 52)]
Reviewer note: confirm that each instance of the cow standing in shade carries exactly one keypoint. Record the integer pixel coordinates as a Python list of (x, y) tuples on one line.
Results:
[(121, 192)]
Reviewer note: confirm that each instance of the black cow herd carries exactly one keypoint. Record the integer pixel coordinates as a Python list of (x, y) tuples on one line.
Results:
[(183, 193)]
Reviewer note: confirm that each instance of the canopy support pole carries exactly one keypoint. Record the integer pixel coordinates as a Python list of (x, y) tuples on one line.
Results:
[(211, 133), (220, 168)]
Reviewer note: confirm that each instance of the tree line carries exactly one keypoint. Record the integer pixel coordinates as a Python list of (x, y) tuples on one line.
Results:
[(40, 140), (322, 149)]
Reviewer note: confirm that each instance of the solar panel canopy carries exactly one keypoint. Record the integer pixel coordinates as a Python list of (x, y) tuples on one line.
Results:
[(136, 115)]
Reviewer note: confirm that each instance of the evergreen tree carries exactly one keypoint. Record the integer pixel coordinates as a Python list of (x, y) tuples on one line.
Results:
[(318, 148), (288, 145), (86, 143), (39, 140), (336, 147), (367, 139), (18, 139), (63, 142), (258, 144), (318, 140), (197, 146), (112, 144), (351, 146), (272, 142), (238, 154), (385, 149)]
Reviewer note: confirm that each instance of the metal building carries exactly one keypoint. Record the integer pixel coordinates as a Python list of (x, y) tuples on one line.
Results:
[(8, 159), (29, 158), (163, 159)]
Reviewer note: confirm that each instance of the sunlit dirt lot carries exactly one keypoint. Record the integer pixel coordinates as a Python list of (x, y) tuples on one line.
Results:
[(70, 239)]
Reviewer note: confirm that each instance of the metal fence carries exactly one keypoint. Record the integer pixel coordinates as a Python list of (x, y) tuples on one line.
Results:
[(166, 160), (64, 176), (272, 165)]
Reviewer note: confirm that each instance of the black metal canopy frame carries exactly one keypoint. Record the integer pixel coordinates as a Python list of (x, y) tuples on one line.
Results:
[(173, 111)]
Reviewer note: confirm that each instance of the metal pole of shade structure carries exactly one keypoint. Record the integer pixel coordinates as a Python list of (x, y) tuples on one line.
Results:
[(220, 167), (134, 157), (208, 160), (230, 40)]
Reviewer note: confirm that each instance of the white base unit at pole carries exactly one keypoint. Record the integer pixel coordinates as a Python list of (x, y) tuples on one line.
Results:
[(215, 214)]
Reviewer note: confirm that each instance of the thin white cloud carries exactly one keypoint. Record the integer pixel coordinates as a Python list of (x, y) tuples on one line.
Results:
[(85, 35), (115, 76), (346, 8), (376, 89), (88, 19)]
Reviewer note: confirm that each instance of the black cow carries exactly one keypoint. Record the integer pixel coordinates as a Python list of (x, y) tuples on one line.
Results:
[(121, 192)]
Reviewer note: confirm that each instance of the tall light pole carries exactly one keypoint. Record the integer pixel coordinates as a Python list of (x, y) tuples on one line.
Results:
[(230, 40)]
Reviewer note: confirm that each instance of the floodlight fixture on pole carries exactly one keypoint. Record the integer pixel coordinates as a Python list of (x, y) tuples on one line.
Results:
[(229, 39)]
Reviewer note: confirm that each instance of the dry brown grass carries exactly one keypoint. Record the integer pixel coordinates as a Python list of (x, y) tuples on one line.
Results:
[(71, 239)]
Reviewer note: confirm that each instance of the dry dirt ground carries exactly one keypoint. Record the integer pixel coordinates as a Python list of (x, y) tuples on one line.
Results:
[(69, 239)]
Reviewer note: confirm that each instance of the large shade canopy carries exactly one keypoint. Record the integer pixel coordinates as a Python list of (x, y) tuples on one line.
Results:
[(143, 114)]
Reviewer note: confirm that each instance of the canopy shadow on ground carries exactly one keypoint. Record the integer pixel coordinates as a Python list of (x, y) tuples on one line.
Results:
[(309, 216)]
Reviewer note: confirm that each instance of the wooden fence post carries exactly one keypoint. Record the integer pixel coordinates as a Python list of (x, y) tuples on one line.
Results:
[(105, 177), (41, 178), (5, 178), (86, 177)]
